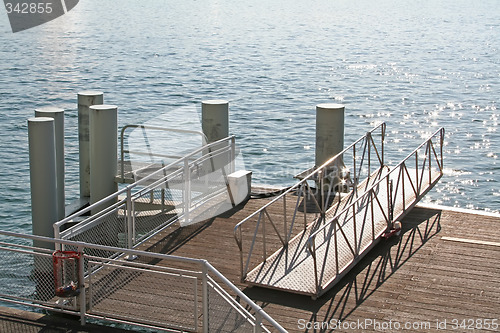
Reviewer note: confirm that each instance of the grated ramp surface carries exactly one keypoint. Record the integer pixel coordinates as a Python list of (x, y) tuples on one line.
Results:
[(292, 268)]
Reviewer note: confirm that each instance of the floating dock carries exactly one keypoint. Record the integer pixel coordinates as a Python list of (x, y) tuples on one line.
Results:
[(443, 270), (190, 246), (445, 266)]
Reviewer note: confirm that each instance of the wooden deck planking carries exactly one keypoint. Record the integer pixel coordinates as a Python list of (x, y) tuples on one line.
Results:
[(418, 277), (135, 294)]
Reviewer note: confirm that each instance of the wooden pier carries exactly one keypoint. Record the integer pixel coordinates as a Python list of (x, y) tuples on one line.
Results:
[(444, 268)]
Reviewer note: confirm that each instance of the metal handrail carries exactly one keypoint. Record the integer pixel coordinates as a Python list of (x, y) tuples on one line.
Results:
[(200, 268), (148, 183), (302, 189), (371, 197)]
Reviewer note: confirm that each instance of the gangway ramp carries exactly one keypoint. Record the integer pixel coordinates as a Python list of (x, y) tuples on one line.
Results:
[(339, 235)]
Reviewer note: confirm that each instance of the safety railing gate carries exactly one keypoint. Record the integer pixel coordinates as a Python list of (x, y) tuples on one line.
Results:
[(178, 192), (352, 231), (307, 204), (176, 294)]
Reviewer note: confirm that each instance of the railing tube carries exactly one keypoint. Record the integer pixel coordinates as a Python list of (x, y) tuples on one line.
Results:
[(204, 287), (368, 142), (382, 143), (81, 278), (312, 248), (373, 214), (335, 241), (305, 206), (390, 201), (416, 172), (264, 241), (257, 309), (258, 323), (187, 191), (356, 250), (441, 147), (240, 246), (57, 235), (233, 154), (130, 227), (354, 164), (430, 161), (122, 154), (285, 224)]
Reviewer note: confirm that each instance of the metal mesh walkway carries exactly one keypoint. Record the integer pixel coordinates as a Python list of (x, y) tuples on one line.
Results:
[(292, 268), (315, 259)]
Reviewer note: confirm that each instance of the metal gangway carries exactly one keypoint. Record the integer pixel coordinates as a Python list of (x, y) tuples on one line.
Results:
[(308, 249)]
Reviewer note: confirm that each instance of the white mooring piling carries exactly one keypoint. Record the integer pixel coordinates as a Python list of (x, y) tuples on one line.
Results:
[(103, 151), (58, 115), (215, 119), (85, 100), (215, 126), (330, 139), (43, 178), (329, 131)]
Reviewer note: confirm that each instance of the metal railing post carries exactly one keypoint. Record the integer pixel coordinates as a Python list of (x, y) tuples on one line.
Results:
[(368, 142), (285, 224), (355, 231), (204, 287), (441, 148), (130, 225), (416, 172), (240, 246), (81, 278), (429, 153), (382, 143), (264, 247), (312, 248), (57, 235), (354, 165), (187, 190), (233, 154), (390, 197), (122, 154), (258, 323)]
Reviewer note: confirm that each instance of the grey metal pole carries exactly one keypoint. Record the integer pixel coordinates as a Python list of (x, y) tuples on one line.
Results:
[(215, 126), (329, 131), (43, 178), (215, 119), (85, 100), (330, 142), (58, 115), (103, 151)]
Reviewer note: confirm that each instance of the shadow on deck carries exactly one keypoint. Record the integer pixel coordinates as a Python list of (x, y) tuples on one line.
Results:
[(365, 279)]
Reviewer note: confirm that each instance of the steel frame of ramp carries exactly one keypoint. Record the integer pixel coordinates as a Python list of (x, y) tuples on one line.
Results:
[(266, 231), (317, 258)]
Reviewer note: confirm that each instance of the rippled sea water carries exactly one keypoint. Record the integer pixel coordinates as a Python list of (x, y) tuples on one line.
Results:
[(417, 65)]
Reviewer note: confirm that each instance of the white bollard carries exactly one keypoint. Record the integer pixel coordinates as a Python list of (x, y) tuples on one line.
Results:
[(103, 151), (85, 100), (43, 178), (215, 126), (215, 119), (330, 142), (329, 131), (58, 115)]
